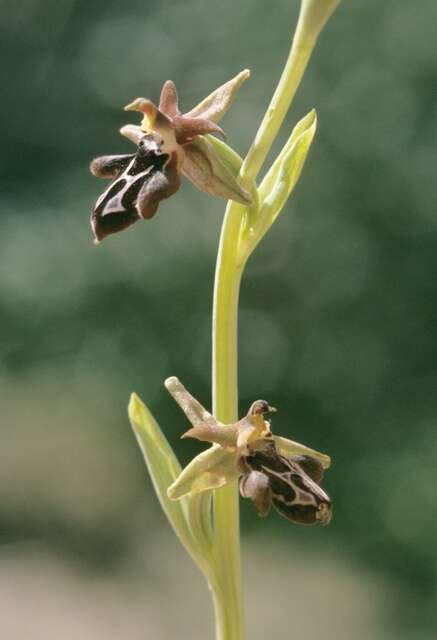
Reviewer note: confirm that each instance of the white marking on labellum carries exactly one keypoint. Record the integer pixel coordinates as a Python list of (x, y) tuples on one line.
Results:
[(115, 203)]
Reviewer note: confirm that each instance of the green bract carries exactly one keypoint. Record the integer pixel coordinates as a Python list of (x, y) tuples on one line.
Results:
[(189, 517), (279, 182)]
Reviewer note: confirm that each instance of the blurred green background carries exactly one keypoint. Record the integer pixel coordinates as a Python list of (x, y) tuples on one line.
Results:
[(338, 315)]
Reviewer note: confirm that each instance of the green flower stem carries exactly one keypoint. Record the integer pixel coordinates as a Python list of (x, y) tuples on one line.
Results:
[(228, 593), (225, 318), (226, 584)]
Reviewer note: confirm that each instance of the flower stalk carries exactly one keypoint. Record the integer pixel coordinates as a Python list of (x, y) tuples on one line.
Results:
[(229, 270)]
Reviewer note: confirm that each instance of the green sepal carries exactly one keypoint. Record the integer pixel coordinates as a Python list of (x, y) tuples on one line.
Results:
[(230, 158), (289, 448), (211, 469), (189, 517), (203, 166), (233, 162)]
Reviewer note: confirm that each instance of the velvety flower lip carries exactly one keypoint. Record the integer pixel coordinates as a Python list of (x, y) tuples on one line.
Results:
[(169, 144), (140, 181)]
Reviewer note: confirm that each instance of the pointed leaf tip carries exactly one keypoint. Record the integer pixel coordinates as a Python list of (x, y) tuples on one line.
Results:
[(134, 407), (280, 180), (189, 518)]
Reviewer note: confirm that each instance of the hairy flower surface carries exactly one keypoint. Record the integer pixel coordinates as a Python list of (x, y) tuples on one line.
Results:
[(248, 450), (169, 144)]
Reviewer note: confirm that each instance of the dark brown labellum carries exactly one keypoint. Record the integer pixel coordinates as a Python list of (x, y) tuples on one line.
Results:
[(127, 198), (292, 485), (312, 467)]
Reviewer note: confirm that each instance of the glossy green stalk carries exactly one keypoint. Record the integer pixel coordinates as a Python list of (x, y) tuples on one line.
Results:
[(227, 587)]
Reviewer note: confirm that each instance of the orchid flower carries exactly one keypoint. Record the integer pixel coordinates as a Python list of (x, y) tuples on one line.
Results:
[(169, 144), (273, 471)]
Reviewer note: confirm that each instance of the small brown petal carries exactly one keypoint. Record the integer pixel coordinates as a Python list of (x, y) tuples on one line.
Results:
[(188, 128), (204, 169), (109, 166), (168, 102), (214, 106)]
